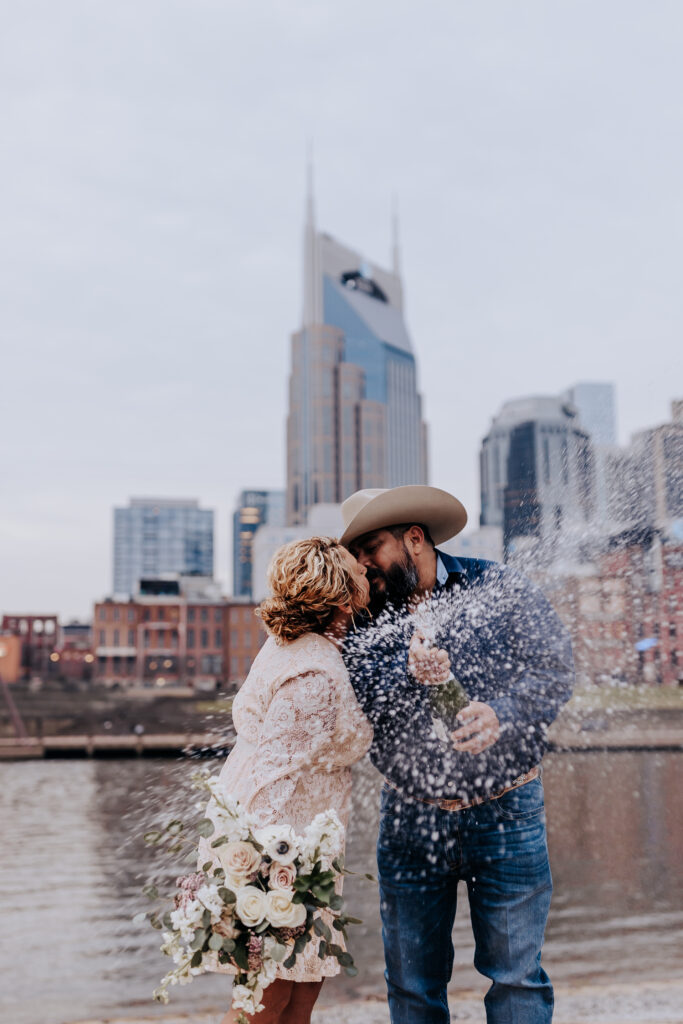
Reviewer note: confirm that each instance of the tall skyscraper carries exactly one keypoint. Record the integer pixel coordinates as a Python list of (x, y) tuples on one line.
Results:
[(355, 415), (254, 509), (160, 535), (537, 474), (596, 407), (595, 403)]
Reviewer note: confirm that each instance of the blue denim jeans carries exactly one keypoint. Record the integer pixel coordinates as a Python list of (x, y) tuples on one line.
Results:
[(499, 850)]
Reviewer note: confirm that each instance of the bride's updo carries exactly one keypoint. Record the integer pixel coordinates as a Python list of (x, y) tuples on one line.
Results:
[(309, 580)]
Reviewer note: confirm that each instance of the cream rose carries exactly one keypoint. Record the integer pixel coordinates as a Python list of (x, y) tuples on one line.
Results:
[(281, 876), (251, 905), (281, 912), (238, 859)]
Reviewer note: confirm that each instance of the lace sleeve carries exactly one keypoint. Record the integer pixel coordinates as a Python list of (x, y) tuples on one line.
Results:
[(296, 734)]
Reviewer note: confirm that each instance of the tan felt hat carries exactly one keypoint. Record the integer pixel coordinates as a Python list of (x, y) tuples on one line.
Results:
[(376, 508)]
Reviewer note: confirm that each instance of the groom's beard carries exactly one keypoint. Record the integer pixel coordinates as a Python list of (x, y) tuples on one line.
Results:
[(396, 585)]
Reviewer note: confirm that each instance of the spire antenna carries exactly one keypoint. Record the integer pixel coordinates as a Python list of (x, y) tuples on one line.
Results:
[(395, 243), (310, 198)]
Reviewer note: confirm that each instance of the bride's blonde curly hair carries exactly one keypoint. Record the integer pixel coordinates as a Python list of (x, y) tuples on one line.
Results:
[(309, 580)]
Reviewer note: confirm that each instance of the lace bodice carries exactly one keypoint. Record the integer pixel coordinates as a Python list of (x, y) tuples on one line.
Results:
[(299, 729)]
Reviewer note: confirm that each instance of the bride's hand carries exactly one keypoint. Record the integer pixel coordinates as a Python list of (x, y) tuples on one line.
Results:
[(429, 665)]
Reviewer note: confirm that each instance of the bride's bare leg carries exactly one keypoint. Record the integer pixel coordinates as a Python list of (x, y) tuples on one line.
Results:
[(275, 999), (301, 1003)]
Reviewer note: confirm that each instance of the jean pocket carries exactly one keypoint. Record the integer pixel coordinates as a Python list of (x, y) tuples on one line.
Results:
[(521, 803)]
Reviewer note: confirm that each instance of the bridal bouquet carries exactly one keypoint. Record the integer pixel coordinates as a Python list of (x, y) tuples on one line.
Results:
[(256, 902)]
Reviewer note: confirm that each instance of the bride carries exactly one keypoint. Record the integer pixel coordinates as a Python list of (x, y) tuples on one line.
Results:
[(299, 727)]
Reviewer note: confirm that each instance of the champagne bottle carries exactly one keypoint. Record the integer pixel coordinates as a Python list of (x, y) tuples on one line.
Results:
[(446, 700)]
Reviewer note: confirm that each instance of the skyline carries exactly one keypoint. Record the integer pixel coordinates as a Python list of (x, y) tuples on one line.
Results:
[(153, 206)]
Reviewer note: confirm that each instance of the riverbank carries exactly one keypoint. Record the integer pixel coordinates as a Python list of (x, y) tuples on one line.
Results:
[(61, 723), (648, 1002)]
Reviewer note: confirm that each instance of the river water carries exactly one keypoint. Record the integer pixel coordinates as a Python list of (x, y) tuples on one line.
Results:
[(72, 864)]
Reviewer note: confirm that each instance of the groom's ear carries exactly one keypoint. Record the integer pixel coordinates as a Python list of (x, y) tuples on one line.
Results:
[(414, 539)]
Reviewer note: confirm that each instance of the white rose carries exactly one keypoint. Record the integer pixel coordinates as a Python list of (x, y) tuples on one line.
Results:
[(281, 912), (239, 859), (282, 876), (251, 905)]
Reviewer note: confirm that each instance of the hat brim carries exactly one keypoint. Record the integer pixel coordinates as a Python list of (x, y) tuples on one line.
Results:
[(442, 514)]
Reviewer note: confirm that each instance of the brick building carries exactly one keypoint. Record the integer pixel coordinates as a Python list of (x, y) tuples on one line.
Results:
[(175, 634), (625, 610), (38, 635)]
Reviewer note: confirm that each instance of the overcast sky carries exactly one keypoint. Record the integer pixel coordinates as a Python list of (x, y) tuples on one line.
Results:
[(152, 198)]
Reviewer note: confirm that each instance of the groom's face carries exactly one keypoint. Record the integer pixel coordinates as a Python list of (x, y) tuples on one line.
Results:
[(391, 571)]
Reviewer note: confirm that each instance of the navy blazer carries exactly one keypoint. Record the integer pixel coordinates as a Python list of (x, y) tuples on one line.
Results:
[(507, 647)]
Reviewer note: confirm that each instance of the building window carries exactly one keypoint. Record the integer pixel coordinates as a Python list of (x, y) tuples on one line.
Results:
[(247, 664), (117, 612), (190, 614), (234, 666), (103, 614), (160, 614), (247, 638), (116, 638), (205, 614), (190, 637), (205, 638), (131, 638), (234, 638), (217, 613), (102, 640), (131, 614), (218, 638)]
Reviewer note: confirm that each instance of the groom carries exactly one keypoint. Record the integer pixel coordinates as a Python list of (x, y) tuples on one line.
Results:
[(461, 801)]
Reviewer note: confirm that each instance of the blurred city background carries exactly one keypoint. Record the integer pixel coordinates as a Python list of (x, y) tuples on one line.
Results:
[(253, 258)]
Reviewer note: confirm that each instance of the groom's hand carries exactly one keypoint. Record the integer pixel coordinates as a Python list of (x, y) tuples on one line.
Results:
[(427, 664), (479, 730)]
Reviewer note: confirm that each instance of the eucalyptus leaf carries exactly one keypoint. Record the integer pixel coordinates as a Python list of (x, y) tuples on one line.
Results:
[(221, 841), (139, 918), (151, 892), (199, 939), (370, 878), (336, 902), (206, 828), (278, 953), (152, 837), (300, 943), (228, 945), (321, 929), (290, 961), (352, 920), (345, 959), (351, 971), (196, 959), (207, 867), (215, 941), (166, 920), (227, 895), (175, 827), (322, 949)]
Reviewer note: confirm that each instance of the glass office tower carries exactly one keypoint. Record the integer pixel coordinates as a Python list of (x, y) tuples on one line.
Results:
[(160, 535), (355, 414)]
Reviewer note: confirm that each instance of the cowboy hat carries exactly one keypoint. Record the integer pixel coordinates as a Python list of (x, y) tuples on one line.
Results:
[(376, 508)]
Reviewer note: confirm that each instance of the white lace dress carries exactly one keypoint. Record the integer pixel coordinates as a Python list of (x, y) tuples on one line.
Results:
[(299, 729)]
